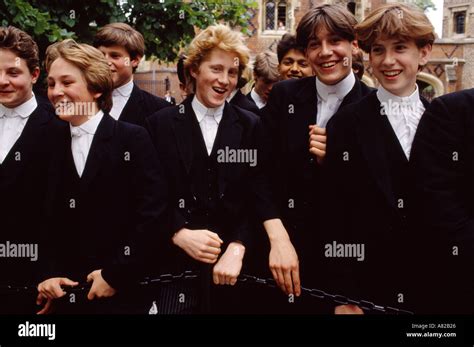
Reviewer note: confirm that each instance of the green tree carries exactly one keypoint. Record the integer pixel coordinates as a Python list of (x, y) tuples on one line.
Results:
[(167, 25), (425, 5)]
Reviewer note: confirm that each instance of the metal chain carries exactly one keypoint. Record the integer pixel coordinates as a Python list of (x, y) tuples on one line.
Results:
[(336, 298), (243, 278)]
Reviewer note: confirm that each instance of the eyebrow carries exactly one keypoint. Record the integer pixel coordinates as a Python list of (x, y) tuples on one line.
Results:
[(62, 76)]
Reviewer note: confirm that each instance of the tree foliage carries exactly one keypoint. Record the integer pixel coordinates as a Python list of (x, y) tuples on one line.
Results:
[(167, 25)]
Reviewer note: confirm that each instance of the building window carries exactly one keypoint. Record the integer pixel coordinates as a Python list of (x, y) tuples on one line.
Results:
[(275, 16), (460, 22)]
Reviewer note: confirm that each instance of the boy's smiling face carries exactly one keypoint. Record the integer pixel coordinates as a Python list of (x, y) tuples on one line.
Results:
[(216, 77), (16, 80), (330, 56), (120, 63), (395, 63)]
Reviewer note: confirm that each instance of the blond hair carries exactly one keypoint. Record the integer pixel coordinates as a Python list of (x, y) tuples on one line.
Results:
[(395, 20), (266, 66), (92, 64), (216, 36)]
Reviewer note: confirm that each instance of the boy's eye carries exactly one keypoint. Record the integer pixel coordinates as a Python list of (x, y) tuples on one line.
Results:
[(303, 63), (66, 83), (377, 50), (313, 44), (400, 47), (215, 68), (232, 72), (335, 40), (288, 62)]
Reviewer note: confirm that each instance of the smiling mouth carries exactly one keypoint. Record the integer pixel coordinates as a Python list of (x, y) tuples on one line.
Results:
[(392, 73), (219, 91), (329, 64), (291, 75)]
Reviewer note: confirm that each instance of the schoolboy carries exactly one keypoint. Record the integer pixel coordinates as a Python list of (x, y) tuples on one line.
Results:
[(369, 145), (123, 48)]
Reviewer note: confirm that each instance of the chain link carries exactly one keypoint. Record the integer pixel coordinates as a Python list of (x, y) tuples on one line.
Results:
[(243, 278)]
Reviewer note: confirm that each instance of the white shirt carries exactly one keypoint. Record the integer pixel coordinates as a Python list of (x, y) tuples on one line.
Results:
[(81, 140), (209, 119), (330, 98), (12, 123), (258, 100), (120, 97), (404, 114)]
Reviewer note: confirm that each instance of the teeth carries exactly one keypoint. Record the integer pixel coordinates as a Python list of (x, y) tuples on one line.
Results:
[(219, 90), (391, 73), (331, 64)]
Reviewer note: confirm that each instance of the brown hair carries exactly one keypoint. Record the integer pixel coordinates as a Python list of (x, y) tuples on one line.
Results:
[(20, 43), (215, 36), (335, 18), (92, 64), (395, 20), (121, 34)]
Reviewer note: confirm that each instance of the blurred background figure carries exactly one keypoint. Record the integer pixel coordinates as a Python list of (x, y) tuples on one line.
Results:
[(265, 73), (292, 62), (358, 64)]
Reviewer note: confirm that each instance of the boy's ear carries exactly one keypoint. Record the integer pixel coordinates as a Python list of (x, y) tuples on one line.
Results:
[(425, 53), (135, 61), (97, 96), (35, 75), (355, 47), (194, 71)]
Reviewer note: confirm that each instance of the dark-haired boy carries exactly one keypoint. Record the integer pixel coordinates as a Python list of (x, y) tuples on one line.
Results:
[(28, 133), (295, 108)]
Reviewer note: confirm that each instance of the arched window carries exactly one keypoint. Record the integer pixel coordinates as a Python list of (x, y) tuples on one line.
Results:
[(275, 15)]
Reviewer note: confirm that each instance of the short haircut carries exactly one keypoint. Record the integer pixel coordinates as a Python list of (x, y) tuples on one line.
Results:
[(216, 36), (286, 44), (92, 64), (335, 18), (266, 66), (395, 20), (121, 34), (20, 43)]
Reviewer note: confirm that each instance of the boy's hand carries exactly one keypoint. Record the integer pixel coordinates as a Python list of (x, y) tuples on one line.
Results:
[(100, 288), (283, 258), (50, 289), (201, 245), (227, 269), (348, 309), (317, 142)]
